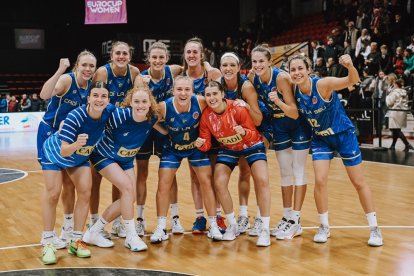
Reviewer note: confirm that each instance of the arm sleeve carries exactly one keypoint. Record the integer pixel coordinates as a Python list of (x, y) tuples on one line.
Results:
[(204, 132)]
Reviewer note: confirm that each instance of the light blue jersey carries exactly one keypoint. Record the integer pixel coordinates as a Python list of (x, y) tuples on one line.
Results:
[(77, 122)]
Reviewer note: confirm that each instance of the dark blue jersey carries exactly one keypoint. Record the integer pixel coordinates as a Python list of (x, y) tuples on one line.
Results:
[(234, 94), (123, 135), (59, 106), (162, 89), (326, 117), (182, 127), (118, 86)]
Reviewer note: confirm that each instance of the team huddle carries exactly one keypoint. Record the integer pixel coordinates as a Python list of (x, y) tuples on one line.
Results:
[(99, 121)]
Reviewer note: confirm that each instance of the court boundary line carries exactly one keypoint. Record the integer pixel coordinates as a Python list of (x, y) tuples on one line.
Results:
[(25, 174), (304, 227)]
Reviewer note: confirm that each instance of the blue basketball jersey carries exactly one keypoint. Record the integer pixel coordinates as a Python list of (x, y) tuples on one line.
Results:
[(118, 86), (263, 90), (234, 94), (77, 122), (325, 117), (200, 84), (182, 127), (162, 89), (123, 136), (59, 106)]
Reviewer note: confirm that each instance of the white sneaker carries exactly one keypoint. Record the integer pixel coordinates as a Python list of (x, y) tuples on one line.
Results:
[(231, 233), (375, 237), (118, 228), (176, 227), (159, 235), (280, 226), (55, 241), (66, 234), (96, 238), (257, 227), (264, 238), (290, 231), (214, 233), (243, 224), (134, 243), (104, 233), (140, 227), (322, 235)]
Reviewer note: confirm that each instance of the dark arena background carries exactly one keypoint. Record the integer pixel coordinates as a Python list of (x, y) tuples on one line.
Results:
[(35, 35)]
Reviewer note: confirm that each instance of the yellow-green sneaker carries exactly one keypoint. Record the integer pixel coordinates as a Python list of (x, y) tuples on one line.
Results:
[(79, 248), (49, 254)]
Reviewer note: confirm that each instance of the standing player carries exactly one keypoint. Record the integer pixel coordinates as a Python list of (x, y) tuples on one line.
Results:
[(332, 131), (160, 79), (65, 92), (233, 127), (69, 150), (291, 137), (114, 157), (195, 68), (119, 76), (182, 116), (237, 86)]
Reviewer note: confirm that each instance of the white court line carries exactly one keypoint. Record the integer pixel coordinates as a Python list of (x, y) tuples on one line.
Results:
[(304, 227)]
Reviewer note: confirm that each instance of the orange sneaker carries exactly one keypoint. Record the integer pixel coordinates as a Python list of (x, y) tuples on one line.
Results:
[(222, 226)]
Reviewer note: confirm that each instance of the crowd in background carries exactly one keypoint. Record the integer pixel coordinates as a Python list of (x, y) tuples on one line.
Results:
[(21, 103)]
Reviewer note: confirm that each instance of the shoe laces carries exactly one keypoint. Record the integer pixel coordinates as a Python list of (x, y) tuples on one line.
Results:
[(47, 247), (257, 223), (322, 230), (199, 221), (375, 233), (243, 221), (80, 244)]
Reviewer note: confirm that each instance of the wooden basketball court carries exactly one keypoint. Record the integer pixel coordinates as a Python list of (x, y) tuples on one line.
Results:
[(345, 253)]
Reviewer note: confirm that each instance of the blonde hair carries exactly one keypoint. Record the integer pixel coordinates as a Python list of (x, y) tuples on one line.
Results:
[(81, 54), (128, 99)]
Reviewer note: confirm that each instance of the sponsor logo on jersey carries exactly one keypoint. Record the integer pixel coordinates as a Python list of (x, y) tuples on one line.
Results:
[(196, 115), (314, 100), (85, 151), (231, 140), (184, 147), (123, 152)]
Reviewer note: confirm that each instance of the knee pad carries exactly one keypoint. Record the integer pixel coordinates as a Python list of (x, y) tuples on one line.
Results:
[(285, 160), (299, 162)]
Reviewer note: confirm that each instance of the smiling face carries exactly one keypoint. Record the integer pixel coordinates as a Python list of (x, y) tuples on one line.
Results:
[(183, 90), (86, 67), (157, 59), (98, 99), (229, 68), (214, 99), (140, 103), (260, 63), (298, 71), (193, 54), (120, 55)]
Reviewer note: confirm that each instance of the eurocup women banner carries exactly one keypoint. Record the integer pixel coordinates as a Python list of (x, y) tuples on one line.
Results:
[(105, 12)]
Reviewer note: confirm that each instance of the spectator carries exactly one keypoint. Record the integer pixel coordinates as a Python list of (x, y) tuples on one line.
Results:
[(333, 67), (398, 62), (411, 45), (351, 36), (386, 60), (36, 103), (397, 31), (25, 104), (320, 68), (362, 20), (378, 87), (4, 103), (317, 50), (13, 103), (398, 99), (331, 50), (373, 60)]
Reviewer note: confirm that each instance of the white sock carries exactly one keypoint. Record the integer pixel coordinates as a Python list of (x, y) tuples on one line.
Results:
[(162, 222), (231, 218), (130, 227), (174, 209), (372, 219), (76, 235), (323, 218), (218, 211), (117, 220), (266, 222), (67, 221), (212, 220), (286, 212), (94, 218), (140, 211), (295, 216), (47, 236), (243, 211), (99, 225), (200, 213)]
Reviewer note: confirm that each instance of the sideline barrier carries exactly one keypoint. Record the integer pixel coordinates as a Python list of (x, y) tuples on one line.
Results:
[(20, 121)]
